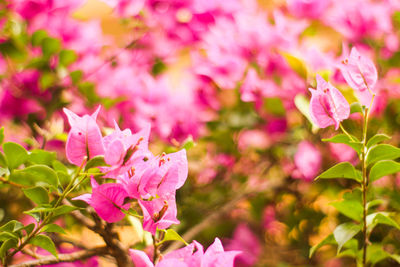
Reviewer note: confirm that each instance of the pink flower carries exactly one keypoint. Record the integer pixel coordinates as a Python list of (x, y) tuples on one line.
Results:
[(84, 138), (360, 73), (308, 161), (245, 240), (307, 8), (164, 174), (123, 149), (192, 255), (107, 200), (159, 213), (327, 106)]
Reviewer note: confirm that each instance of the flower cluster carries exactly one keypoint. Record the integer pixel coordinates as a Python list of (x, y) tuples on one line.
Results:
[(151, 180)]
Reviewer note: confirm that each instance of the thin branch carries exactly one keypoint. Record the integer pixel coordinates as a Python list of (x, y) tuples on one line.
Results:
[(71, 257)]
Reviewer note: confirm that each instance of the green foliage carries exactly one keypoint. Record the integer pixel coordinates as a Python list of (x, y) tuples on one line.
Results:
[(377, 139), (350, 208), (356, 107), (15, 154), (53, 228), (38, 37), (37, 194), (1, 135), (345, 139), (380, 218), (45, 243), (383, 168), (50, 46), (39, 156), (296, 64), (96, 161), (171, 235), (344, 232), (36, 175), (67, 57), (382, 152), (341, 170), (329, 240)]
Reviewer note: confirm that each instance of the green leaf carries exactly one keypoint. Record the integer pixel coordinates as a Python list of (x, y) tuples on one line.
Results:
[(76, 76), (39, 156), (36, 175), (344, 139), (329, 240), (50, 46), (1, 135), (274, 106), (67, 57), (374, 203), (383, 168), (341, 170), (11, 226), (53, 228), (188, 143), (356, 107), (382, 152), (37, 194), (395, 257), (15, 154), (303, 104), (171, 235), (45, 243), (29, 228), (350, 208), (63, 210), (47, 80), (10, 243), (380, 218), (7, 235), (38, 37), (3, 160), (377, 139), (375, 254), (296, 64), (95, 162), (59, 166), (344, 232)]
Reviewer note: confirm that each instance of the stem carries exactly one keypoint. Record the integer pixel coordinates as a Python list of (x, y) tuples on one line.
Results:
[(156, 253), (67, 190), (365, 183), (346, 133)]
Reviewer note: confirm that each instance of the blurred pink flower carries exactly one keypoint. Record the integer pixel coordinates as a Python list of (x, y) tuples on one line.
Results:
[(327, 106), (360, 73), (246, 241), (307, 160), (307, 8)]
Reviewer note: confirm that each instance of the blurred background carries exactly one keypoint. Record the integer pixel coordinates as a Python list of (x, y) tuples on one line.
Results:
[(227, 80)]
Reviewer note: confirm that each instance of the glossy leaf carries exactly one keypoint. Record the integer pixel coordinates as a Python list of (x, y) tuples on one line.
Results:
[(37, 194), (39, 156), (329, 240), (377, 139), (380, 218), (344, 139), (171, 235), (341, 170), (36, 175), (11, 226), (8, 244), (67, 57), (53, 228), (350, 208), (356, 107), (383, 168), (344, 232), (45, 243), (15, 154), (382, 152), (95, 162)]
